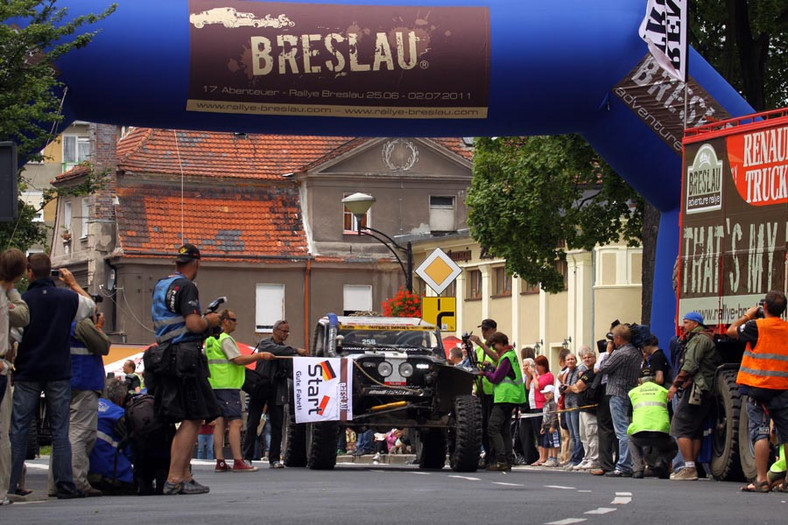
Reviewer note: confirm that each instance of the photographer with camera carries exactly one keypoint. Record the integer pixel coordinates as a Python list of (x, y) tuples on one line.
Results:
[(43, 364), (763, 377), (693, 384), (181, 389), (485, 356), (623, 370)]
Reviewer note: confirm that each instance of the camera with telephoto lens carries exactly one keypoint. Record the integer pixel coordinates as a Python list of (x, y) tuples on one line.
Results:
[(466, 341), (759, 313)]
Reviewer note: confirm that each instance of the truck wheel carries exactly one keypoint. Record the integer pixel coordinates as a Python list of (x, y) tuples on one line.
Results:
[(295, 443), (321, 445), (433, 449), (725, 464), (465, 438)]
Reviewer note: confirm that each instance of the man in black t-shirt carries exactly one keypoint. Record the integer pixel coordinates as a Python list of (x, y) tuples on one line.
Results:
[(656, 361), (183, 394)]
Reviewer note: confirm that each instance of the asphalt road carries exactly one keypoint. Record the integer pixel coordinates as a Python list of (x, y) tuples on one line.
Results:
[(354, 493)]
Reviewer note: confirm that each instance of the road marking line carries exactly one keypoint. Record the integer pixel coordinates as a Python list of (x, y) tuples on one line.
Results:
[(465, 477), (623, 493), (600, 510), (567, 521), (621, 501), (42, 467), (507, 484), (561, 487), (418, 473), (585, 491)]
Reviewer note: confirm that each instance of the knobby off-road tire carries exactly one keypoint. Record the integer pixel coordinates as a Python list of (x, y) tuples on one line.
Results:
[(295, 443), (433, 449), (725, 460), (465, 438), (321, 445)]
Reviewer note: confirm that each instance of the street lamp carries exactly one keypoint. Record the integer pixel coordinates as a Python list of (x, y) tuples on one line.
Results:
[(359, 204)]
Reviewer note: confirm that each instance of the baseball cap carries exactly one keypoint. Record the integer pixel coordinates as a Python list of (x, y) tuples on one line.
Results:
[(549, 388), (694, 316), (488, 323), (186, 253)]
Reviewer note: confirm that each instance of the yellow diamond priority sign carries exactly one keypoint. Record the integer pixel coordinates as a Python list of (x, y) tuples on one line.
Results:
[(438, 270)]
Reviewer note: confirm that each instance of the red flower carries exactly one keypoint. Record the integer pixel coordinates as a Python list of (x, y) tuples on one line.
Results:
[(403, 304)]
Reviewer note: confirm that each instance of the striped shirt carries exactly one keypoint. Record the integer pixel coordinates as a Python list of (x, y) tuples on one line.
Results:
[(622, 369)]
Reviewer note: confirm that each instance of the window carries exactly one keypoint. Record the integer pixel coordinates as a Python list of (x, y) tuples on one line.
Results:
[(349, 223), (441, 214), (269, 306), (450, 291), (503, 281), (84, 218), (75, 150), (67, 216), (35, 199), (529, 288), (563, 269), (356, 298), (474, 290)]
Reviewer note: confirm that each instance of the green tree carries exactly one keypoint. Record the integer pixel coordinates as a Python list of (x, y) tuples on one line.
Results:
[(33, 35), (533, 197), (747, 42)]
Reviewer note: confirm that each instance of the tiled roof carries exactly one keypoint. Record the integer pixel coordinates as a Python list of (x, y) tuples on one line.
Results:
[(228, 222), (220, 154)]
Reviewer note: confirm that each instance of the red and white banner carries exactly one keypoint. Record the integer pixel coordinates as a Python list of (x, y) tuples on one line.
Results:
[(664, 29), (322, 389)]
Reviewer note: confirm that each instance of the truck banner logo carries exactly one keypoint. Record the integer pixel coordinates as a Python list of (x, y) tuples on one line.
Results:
[(318, 393), (359, 61), (759, 164), (658, 100), (704, 182)]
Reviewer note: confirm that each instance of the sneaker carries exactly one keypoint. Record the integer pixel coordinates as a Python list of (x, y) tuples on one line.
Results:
[(222, 466), (618, 474), (92, 492), (376, 457), (192, 487), (5, 501), (276, 464), (240, 466), (63, 494), (583, 465), (498, 467), (598, 471), (171, 489), (685, 474), (551, 462)]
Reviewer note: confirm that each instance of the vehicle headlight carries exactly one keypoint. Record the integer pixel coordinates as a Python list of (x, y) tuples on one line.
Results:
[(406, 369), (385, 369)]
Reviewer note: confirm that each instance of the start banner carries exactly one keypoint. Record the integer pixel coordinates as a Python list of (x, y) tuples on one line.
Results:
[(322, 389)]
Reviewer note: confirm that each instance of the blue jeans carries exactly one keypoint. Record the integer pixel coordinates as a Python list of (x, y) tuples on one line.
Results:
[(27, 395), (619, 412), (573, 424), (204, 446)]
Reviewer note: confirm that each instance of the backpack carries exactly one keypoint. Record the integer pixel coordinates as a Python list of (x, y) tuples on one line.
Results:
[(592, 395), (144, 429), (640, 334), (94, 339)]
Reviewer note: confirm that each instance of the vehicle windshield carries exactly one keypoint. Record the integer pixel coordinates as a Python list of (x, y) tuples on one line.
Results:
[(363, 340)]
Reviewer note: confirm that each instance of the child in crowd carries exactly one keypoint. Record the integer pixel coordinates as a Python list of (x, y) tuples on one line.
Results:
[(552, 440), (205, 441)]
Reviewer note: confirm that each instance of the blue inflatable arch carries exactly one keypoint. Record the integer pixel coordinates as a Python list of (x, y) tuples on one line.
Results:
[(363, 68)]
